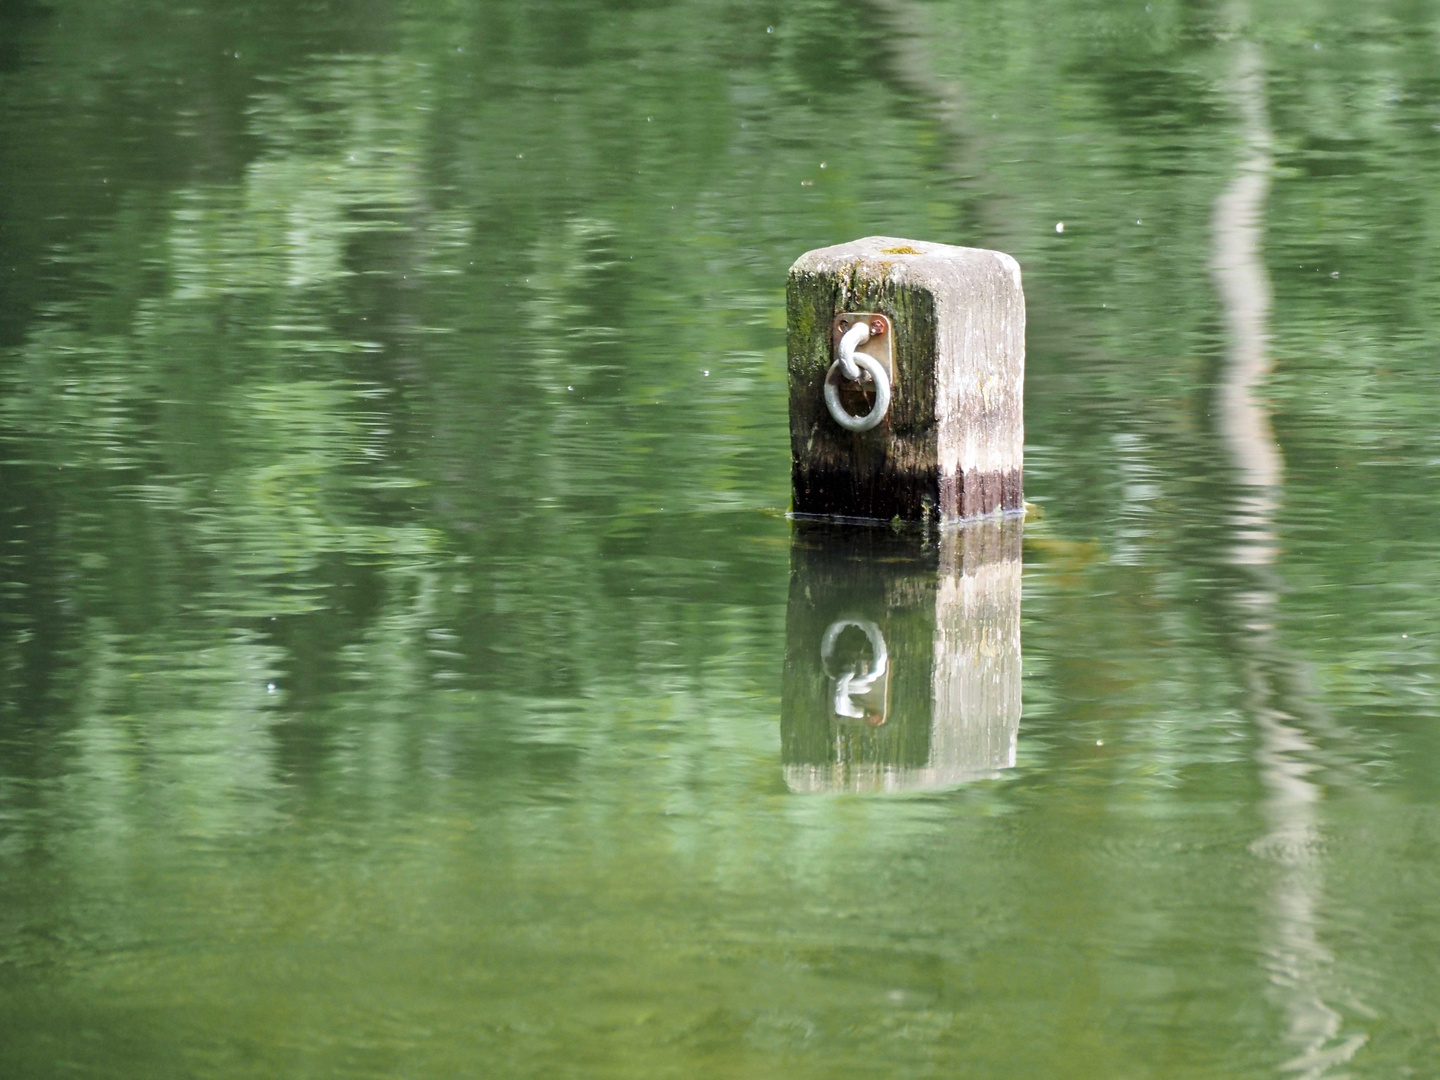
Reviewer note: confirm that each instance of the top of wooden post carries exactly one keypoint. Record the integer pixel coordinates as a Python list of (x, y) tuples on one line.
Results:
[(945, 269)]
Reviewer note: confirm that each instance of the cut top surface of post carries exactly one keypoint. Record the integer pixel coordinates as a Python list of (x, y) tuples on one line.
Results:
[(951, 445), (942, 268)]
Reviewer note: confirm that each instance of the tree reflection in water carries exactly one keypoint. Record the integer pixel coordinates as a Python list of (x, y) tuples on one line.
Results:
[(1298, 961)]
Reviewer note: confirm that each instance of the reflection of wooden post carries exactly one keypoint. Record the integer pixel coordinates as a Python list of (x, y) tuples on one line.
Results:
[(951, 446), (947, 607)]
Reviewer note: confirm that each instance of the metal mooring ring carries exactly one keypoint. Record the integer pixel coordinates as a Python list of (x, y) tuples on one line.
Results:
[(882, 394)]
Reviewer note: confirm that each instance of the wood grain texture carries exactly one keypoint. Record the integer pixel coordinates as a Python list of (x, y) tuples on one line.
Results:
[(952, 446)]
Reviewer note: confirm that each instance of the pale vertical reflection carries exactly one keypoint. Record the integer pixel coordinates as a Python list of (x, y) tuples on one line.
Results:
[(1296, 959), (1244, 290)]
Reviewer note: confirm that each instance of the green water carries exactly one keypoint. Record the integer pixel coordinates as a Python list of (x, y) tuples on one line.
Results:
[(404, 652)]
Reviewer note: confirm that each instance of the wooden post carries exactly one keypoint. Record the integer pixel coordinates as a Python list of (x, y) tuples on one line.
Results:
[(902, 657), (952, 444)]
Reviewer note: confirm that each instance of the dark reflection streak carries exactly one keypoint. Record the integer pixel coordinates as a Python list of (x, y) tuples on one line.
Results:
[(998, 219), (1286, 752), (910, 65)]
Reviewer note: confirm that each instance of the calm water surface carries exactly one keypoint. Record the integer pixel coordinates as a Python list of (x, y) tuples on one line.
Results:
[(407, 668)]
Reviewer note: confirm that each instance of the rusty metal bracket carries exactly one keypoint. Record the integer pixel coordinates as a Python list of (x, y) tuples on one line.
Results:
[(880, 346)]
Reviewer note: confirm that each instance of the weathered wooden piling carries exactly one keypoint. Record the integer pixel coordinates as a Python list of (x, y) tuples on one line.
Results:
[(951, 445), (902, 657)]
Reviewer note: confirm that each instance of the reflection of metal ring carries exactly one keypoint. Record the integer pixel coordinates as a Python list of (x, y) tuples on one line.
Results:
[(857, 682), (872, 634), (882, 394)]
